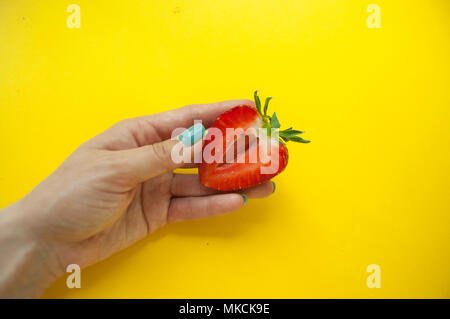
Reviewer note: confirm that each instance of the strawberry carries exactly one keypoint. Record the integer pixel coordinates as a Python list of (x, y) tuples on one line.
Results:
[(241, 172)]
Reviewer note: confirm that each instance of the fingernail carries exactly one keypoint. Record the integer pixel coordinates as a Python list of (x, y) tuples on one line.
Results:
[(245, 198), (274, 187), (192, 134)]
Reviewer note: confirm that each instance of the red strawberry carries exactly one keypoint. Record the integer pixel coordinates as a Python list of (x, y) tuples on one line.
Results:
[(247, 168)]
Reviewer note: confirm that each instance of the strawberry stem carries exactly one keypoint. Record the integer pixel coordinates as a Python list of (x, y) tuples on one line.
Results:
[(266, 105), (258, 102), (272, 122)]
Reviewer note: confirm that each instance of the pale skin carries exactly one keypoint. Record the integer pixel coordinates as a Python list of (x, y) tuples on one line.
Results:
[(114, 190)]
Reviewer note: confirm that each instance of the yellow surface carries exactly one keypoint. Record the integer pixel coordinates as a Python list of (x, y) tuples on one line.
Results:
[(372, 187)]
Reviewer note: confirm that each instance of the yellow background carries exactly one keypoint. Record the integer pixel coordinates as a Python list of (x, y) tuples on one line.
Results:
[(371, 188)]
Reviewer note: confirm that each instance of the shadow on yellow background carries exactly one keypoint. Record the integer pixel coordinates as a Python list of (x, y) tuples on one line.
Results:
[(372, 187)]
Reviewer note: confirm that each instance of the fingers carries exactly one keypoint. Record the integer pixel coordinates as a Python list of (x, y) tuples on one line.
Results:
[(259, 191), (189, 185), (202, 207), (146, 130), (164, 123), (145, 162), (143, 146)]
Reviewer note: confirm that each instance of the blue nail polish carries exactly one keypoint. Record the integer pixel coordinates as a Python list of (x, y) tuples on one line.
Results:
[(192, 134), (245, 198)]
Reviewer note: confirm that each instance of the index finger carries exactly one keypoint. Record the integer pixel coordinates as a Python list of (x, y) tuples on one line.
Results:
[(149, 129), (164, 123)]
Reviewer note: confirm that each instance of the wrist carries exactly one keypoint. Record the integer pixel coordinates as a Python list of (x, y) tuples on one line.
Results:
[(28, 263)]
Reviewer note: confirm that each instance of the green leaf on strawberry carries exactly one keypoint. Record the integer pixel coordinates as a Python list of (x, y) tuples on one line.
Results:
[(257, 102), (266, 105)]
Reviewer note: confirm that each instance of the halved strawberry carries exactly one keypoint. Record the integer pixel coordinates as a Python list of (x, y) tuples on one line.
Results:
[(247, 167)]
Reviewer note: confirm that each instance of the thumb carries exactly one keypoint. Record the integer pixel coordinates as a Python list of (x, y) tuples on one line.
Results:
[(143, 163)]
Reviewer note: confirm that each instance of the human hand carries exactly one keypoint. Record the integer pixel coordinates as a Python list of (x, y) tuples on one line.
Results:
[(117, 188)]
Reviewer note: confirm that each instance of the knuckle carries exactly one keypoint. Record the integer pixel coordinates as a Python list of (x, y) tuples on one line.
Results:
[(161, 152), (123, 122), (113, 164), (117, 170)]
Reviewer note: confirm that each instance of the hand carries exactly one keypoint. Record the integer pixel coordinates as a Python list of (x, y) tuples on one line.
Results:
[(116, 189)]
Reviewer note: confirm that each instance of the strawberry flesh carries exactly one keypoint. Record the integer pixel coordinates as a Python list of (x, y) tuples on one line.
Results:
[(243, 172)]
